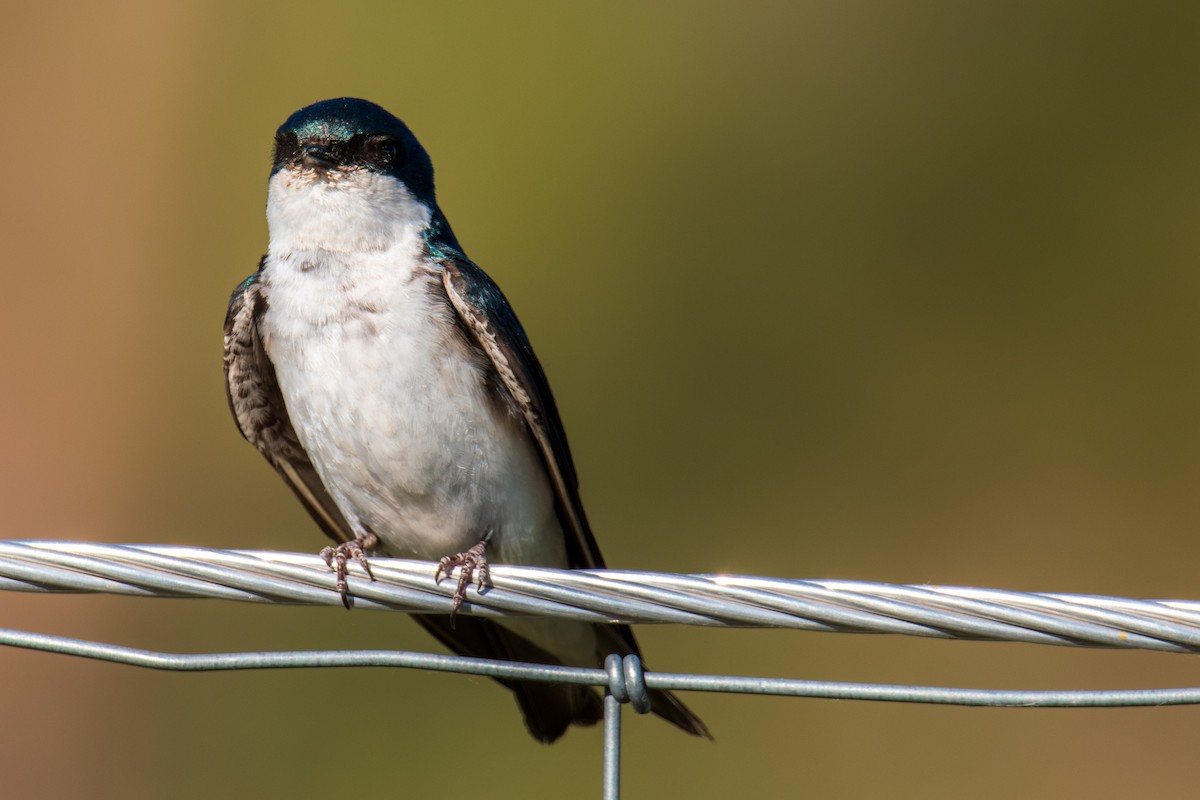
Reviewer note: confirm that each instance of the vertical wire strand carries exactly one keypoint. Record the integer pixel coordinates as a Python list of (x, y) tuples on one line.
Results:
[(612, 747)]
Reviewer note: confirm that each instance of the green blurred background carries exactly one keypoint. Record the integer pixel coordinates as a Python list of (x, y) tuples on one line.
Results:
[(891, 291)]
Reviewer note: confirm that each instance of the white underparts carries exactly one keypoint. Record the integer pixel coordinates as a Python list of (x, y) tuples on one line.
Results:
[(387, 396), (384, 392)]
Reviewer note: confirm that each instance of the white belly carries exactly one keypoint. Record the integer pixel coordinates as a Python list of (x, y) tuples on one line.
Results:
[(395, 414)]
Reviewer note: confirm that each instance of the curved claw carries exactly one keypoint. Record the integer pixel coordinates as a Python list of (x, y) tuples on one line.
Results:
[(337, 557), (472, 565)]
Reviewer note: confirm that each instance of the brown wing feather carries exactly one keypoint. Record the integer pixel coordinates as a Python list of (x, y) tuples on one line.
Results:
[(258, 409)]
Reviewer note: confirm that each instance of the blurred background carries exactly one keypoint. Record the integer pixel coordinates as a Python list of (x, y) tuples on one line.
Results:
[(902, 292)]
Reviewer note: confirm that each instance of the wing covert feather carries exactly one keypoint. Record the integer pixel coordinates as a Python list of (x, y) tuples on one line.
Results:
[(260, 413), (490, 319)]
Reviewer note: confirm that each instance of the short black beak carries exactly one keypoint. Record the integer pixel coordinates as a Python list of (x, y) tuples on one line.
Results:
[(318, 156)]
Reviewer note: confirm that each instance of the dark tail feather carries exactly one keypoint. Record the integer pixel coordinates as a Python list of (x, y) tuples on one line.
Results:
[(619, 639), (672, 709), (550, 708)]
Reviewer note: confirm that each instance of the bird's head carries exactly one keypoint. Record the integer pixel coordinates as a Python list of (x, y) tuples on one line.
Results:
[(349, 175)]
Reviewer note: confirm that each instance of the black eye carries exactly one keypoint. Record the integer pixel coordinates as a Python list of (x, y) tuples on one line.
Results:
[(384, 151)]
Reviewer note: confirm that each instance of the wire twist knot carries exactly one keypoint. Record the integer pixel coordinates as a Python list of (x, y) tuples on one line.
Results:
[(627, 681)]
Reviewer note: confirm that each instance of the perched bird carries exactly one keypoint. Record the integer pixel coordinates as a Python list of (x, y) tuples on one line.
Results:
[(387, 380)]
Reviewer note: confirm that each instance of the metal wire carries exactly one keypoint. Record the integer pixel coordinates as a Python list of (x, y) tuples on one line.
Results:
[(611, 595), (612, 680), (608, 596)]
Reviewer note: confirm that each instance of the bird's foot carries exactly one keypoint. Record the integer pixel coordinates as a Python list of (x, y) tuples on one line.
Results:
[(337, 558), (472, 565)]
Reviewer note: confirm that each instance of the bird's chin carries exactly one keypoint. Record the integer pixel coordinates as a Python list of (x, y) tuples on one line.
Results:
[(308, 175), (341, 209)]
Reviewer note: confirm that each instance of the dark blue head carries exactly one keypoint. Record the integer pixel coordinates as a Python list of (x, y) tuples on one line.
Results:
[(347, 133)]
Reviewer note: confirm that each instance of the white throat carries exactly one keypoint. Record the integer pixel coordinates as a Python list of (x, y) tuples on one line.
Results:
[(341, 211), (345, 247)]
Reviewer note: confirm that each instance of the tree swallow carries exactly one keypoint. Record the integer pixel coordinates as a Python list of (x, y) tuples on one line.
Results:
[(387, 380)]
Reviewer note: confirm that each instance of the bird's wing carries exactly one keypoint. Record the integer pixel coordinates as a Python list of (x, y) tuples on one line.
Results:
[(258, 409), (491, 323)]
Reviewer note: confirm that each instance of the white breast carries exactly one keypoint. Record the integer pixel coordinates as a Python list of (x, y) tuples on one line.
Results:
[(387, 399)]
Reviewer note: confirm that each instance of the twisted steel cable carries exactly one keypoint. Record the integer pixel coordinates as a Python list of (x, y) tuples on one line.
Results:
[(611, 595), (608, 596)]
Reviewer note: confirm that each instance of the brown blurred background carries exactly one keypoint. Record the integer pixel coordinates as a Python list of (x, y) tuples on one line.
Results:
[(904, 292)]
